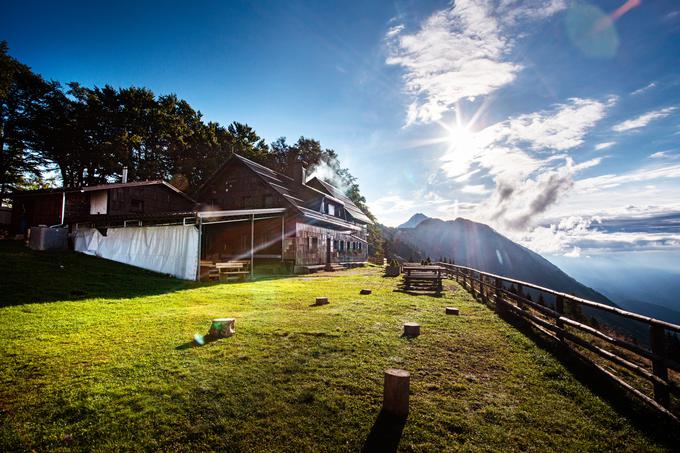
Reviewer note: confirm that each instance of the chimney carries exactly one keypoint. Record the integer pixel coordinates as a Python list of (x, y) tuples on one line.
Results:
[(298, 171), (125, 171)]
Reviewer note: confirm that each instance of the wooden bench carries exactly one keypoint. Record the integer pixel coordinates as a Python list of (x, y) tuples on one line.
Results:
[(209, 271), (233, 269)]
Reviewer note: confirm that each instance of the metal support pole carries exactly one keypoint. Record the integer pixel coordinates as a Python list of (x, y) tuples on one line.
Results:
[(252, 244), (283, 235), (200, 239), (63, 206)]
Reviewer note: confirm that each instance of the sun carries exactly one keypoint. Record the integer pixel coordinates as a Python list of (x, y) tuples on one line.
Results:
[(460, 137)]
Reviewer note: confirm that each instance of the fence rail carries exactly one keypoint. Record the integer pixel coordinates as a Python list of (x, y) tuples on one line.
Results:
[(618, 357)]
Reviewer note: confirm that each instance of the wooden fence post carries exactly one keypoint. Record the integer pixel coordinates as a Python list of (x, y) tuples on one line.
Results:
[(657, 342), (482, 289), (499, 296), (559, 308), (520, 304)]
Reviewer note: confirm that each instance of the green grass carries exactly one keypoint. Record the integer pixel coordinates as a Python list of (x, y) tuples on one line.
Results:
[(116, 370)]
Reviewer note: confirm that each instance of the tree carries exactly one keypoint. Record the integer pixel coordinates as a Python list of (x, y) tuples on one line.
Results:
[(21, 96)]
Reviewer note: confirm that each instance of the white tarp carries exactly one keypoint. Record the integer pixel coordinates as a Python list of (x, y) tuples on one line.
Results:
[(167, 249)]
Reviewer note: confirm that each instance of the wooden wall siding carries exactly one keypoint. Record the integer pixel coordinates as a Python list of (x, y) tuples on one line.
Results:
[(151, 199), (232, 240), (311, 246), (38, 210), (236, 187), (77, 205)]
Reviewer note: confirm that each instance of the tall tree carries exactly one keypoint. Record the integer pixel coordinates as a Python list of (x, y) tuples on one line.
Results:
[(21, 97)]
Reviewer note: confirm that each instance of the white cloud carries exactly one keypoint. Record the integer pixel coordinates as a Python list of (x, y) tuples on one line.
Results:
[(658, 155), (642, 120), (609, 181), (575, 235), (516, 147), (460, 53), (643, 89), (475, 189), (574, 253), (604, 145), (561, 129), (393, 31)]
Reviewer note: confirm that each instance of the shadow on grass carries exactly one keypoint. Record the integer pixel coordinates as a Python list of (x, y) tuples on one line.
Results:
[(198, 341), (419, 292), (30, 277), (385, 434), (645, 418)]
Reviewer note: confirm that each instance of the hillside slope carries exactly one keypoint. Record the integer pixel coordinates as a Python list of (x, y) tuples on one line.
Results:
[(119, 372)]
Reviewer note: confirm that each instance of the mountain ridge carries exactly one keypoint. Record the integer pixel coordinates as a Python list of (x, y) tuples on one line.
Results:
[(477, 245)]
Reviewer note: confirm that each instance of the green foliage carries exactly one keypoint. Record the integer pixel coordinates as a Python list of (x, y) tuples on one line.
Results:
[(106, 363), (22, 97), (90, 134)]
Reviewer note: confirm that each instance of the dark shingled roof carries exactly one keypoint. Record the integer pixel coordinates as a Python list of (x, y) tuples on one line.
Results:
[(114, 185), (304, 198), (351, 208)]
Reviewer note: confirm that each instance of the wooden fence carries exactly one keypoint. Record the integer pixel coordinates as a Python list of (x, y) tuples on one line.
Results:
[(645, 370)]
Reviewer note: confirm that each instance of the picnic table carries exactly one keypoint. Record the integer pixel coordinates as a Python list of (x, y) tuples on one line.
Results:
[(423, 276), (231, 269), (226, 270)]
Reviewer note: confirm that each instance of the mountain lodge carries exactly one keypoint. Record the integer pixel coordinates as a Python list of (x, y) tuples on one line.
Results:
[(244, 213)]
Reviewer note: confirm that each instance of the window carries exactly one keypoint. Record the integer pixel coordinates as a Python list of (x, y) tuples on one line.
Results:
[(330, 209), (136, 205), (268, 201), (230, 184), (335, 244), (315, 245)]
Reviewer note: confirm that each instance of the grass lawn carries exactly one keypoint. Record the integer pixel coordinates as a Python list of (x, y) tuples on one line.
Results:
[(97, 355)]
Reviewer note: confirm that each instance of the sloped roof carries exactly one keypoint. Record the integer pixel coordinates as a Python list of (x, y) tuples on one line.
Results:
[(351, 208), (107, 186), (302, 197)]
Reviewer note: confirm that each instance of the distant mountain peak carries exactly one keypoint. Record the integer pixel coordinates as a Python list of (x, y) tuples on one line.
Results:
[(477, 245), (414, 221)]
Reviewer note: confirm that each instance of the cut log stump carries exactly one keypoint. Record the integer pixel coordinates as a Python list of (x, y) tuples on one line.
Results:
[(452, 311), (395, 392), (222, 327), (365, 291), (321, 300), (411, 329)]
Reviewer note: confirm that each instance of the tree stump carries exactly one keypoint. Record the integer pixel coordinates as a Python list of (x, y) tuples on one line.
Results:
[(411, 329), (395, 392), (222, 327), (321, 300), (365, 291), (452, 311)]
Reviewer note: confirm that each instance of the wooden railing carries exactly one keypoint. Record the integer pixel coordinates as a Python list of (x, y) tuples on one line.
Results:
[(631, 364)]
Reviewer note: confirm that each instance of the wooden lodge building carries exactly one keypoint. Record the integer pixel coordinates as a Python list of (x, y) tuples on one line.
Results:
[(244, 212)]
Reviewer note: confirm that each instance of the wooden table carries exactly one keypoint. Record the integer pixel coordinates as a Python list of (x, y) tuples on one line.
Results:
[(428, 276), (232, 269)]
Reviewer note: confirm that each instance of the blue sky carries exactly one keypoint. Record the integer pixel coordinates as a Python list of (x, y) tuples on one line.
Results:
[(545, 119)]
